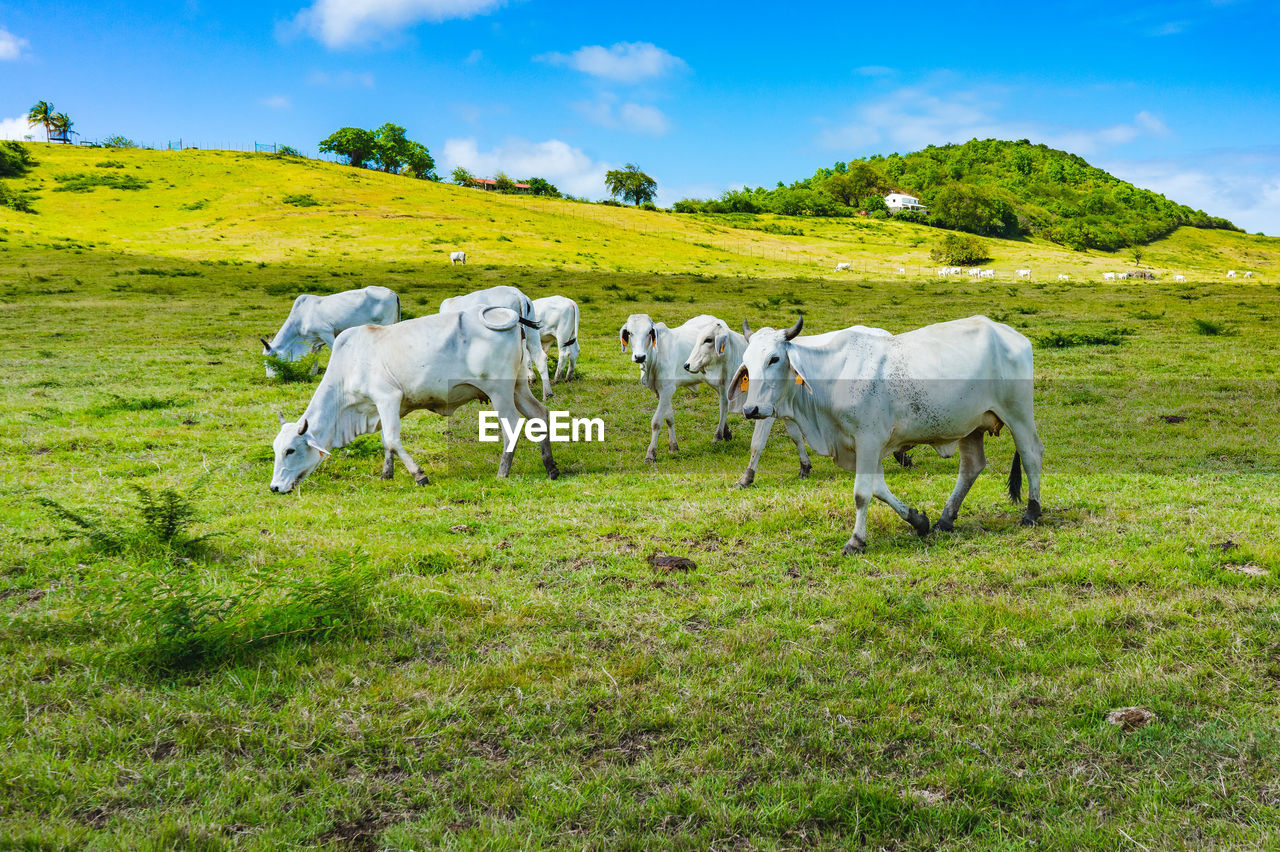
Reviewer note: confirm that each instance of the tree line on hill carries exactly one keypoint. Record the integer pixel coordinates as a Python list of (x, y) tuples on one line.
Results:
[(988, 187)]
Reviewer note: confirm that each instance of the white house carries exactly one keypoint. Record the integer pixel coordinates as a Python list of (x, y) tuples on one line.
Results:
[(896, 201)]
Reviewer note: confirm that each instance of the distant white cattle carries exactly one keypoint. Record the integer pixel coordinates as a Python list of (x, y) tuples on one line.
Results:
[(1231, 273), (1179, 278), (314, 321), (505, 296), (988, 273), (859, 402), (456, 257), (558, 319), (661, 351), (1062, 276), (974, 273), (380, 373), (843, 267), (1024, 273), (717, 353), (902, 271), (1108, 276), (1248, 275)]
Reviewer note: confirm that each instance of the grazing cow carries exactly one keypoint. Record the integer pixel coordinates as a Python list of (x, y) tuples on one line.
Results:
[(660, 351), (717, 354), (456, 257), (1108, 276), (380, 373), (843, 267), (1179, 277), (504, 296), (1248, 275), (314, 321), (1024, 273), (860, 401), (988, 273), (558, 318), (1231, 273), (974, 273), (1062, 276), (902, 271)]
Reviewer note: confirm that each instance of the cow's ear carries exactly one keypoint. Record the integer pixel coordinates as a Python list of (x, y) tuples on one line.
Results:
[(625, 337), (313, 445), (739, 383), (281, 418), (653, 338), (722, 340), (800, 379)]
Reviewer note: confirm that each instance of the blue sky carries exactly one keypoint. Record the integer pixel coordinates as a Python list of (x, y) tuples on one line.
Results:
[(1180, 96)]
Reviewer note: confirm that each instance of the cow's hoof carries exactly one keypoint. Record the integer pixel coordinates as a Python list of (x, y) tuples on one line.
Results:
[(920, 521), (386, 474), (1028, 521), (745, 481), (553, 473), (857, 545), (421, 479), (805, 470), (651, 457), (943, 525), (675, 448)]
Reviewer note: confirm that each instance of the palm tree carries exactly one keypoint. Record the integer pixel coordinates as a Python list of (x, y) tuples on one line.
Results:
[(62, 123), (41, 113)]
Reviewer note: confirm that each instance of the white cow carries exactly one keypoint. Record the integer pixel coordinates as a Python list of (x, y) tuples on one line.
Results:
[(380, 373), (456, 257), (660, 351), (504, 296), (1248, 275), (902, 271), (988, 273), (974, 273), (843, 267), (1062, 276), (859, 402), (1024, 273), (1108, 276), (1231, 273), (558, 320), (1179, 277), (314, 321), (717, 352)]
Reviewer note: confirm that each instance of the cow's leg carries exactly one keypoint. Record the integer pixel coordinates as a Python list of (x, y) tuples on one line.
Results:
[(541, 363), (560, 363), (759, 437), (529, 406), (1030, 451), (388, 462), (662, 414), (918, 520), (390, 416), (973, 460), (722, 427), (503, 400), (863, 491), (537, 357), (793, 431)]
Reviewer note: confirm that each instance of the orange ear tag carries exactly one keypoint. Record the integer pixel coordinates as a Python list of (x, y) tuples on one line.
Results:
[(742, 385), (799, 380)]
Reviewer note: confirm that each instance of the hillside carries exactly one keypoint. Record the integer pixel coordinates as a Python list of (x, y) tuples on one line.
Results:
[(240, 207), (990, 187)]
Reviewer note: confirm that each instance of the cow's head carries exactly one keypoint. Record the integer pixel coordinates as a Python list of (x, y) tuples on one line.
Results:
[(709, 348), (641, 335), (766, 376), (297, 454)]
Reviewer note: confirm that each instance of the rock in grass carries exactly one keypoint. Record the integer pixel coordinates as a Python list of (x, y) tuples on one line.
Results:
[(1130, 718)]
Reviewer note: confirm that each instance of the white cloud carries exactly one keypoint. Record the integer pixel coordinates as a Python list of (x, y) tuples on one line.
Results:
[(874, 71), (638, 118), (345, 23), (341, 79), (624, 62), (915, 116), (17, 129), (11, 46), (276, 102), (565, 166)]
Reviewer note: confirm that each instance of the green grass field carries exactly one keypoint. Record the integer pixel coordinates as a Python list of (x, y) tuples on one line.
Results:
[(495, 664)]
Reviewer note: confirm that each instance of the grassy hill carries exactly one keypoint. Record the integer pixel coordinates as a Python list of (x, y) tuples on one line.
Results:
[(240, 207)]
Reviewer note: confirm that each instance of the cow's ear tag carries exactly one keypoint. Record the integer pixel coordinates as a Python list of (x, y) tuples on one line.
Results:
[(317, 447), (742, 384), (799, 379)]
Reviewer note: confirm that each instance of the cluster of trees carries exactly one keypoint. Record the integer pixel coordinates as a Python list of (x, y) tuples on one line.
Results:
[(386, 149), (53, 121), (504, 183), (989, 187), (15, 159)]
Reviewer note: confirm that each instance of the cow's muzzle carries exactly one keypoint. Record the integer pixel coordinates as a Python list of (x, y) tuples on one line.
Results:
[(639, 359), (754, 412)]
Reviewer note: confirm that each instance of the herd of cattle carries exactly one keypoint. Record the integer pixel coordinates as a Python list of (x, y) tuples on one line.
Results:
[(857, 395)]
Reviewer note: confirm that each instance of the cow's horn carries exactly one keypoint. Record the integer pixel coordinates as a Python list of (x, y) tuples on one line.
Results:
[(281, 418), (746, 330), (795, 329), (302, 428), (265, 344)]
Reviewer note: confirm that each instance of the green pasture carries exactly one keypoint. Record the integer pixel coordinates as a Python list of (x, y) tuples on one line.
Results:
[(476, 663)]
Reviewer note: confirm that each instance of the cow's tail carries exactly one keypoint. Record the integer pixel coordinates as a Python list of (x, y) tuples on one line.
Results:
[(397, 295), (1015, 479)]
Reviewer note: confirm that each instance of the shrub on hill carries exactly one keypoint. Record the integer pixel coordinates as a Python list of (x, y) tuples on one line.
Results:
[(960, 250)]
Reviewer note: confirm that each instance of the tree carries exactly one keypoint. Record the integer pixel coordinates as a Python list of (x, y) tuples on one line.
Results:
[(539, 186), (354, 143), (118, 141), (962, 207), (503, 183), (395, 152), (462, 177), (42, 113), (62, 124), (630, 184), (1137, 253), (961, 250)]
